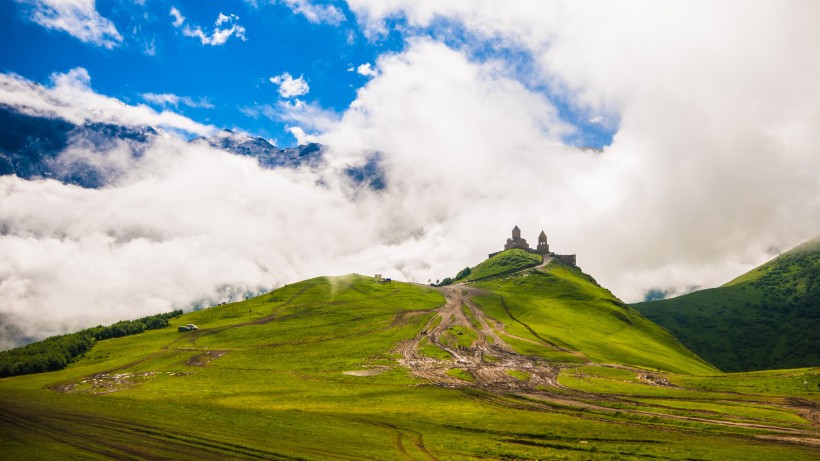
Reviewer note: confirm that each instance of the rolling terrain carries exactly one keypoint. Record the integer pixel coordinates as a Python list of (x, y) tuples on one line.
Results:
[(768, 318), (541, 363)]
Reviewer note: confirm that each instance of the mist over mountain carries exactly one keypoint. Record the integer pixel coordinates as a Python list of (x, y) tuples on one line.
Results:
[(31, 147), (35, 147), (267, 154)]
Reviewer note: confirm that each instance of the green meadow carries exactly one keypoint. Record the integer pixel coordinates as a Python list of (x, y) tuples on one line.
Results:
[(311, 371), (502, 263)]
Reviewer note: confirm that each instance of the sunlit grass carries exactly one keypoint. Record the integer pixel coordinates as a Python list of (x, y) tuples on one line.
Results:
[(270, 378)]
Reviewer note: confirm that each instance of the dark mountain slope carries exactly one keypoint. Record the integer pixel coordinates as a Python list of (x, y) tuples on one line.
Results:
[(766, 319)]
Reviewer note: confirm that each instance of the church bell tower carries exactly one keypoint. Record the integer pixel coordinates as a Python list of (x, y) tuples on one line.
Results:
[(542, 247)]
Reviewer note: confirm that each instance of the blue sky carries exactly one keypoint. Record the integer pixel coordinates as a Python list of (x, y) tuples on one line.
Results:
[(155, 57), (227, 84)]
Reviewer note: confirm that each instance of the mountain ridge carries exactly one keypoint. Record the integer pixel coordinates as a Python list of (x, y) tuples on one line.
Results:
[(767, 318), (31, 147)]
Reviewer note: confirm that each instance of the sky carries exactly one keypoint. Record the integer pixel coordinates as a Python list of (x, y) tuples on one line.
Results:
[(670, 145)]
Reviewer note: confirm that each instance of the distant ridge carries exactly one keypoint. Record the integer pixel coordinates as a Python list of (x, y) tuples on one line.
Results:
[(31, 148)]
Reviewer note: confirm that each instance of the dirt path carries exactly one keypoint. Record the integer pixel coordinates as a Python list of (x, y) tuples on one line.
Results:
[(472, 340), (478, 357)]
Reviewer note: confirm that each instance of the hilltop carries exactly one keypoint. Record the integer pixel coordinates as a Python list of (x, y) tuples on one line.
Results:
[(537, 363), (572, 317), (768, 318)]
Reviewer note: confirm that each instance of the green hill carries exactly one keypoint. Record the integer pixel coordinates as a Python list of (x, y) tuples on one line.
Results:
[(767, 318), (504, 262), (565, 307), (539, 364)]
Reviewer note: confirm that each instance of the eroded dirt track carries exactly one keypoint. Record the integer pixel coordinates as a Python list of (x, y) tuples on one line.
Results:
[(478, 357), (473, 341)]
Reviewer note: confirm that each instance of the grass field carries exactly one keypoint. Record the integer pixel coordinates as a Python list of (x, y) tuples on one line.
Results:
[(311, 371), (566, 308), (502, 263)]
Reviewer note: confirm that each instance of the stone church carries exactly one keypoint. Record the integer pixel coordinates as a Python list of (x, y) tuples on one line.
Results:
[(542, 248)]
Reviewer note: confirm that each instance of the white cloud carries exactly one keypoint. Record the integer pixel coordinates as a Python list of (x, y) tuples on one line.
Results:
[(317, 14), (296, 113), (179, 19), (78, 18), (367, 70), (709, 164), (221, 32), (150, 48), (152, 242), (301, 136), (70, 97), (309, 116), (169, 99), (290, 87)]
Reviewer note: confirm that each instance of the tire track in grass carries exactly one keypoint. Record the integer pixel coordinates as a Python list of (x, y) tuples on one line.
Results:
[(137, 440), (416, 438)]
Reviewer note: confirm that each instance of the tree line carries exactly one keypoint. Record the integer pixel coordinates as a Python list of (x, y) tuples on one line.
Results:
[(56, 352)]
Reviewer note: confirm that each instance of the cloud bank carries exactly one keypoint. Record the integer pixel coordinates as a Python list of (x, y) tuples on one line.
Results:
[(70, 97)]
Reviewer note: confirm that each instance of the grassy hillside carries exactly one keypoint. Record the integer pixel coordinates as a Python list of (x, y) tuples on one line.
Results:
[(503, 263), (319, 370), (767, 318), (565, 307)]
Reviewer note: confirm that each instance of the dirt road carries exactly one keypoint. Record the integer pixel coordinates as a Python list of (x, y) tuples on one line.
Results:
[(475, 346)]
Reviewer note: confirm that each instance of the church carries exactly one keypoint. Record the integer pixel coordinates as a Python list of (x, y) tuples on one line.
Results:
[(542, 248)]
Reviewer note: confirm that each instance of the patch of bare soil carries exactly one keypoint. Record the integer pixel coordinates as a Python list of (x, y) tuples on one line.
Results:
[(106, 383), (808, 409), (205, 358), (489, 360), (654, 380), (370, 372)]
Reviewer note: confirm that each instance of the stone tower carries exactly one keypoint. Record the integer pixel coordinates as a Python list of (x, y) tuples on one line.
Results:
[(516, 241), (542, 247)]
